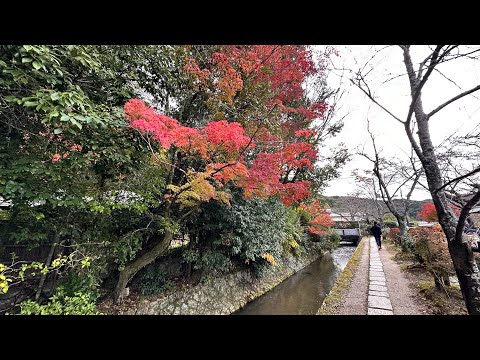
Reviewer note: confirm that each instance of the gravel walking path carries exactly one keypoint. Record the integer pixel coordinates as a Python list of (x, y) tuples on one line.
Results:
[(379, 287), (404, 299)]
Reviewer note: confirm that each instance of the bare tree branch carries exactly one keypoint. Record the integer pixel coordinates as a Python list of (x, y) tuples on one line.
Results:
[(447, 78), (459, 96), (458, 179), (413, 85), (417, 86), (369, 95), (426, 59)]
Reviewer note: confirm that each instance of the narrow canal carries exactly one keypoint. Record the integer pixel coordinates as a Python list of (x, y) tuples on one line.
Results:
[(303, 292)]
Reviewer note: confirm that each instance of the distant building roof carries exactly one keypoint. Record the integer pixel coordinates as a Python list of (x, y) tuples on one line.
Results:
[(342, 216)]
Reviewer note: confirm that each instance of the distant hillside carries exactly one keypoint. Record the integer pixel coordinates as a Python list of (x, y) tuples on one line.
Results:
[(348, 204)]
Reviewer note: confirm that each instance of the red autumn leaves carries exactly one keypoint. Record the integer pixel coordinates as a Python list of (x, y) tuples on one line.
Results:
[(429, 213), (283, 67), (248, 156), (320, 221), (222, 146)]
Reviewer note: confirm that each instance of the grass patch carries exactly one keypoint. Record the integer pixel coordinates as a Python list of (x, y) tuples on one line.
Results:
[(449, 302), (424, 285), (335, 297)]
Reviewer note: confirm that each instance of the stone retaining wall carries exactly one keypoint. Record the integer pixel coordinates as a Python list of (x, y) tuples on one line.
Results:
[(225, 294)]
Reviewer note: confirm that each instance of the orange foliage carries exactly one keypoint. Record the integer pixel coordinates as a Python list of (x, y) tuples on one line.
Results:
[(321, 220), (269, 257), (274, 73)]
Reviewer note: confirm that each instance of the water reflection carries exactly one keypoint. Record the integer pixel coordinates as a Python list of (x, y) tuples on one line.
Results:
[(304, 292)]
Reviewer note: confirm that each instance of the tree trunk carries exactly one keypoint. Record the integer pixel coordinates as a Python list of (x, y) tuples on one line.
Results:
[(467, 273), (47, 263), (402, 226), (460, 251), (132, 269)]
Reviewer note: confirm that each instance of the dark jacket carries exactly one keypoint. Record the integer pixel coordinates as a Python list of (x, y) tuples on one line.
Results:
[(376, 230)]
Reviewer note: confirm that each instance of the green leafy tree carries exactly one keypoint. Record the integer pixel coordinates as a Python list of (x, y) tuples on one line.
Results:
[(69, 163)]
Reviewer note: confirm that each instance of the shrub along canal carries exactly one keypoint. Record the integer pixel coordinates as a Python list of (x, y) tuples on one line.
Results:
[(303, 292)]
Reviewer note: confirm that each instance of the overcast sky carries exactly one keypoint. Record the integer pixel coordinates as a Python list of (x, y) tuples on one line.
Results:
[(459, 117)]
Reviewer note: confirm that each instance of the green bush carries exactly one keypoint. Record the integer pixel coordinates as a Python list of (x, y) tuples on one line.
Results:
[(4, 214), (85, 282), (81, 303), (208, 260), (246, 233), (294, 234), (330, 241), (253, 233), (390, 224), (155, 282)]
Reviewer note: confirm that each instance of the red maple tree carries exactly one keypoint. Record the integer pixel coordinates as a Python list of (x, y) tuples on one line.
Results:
[(429, 212), (261, 137), (221, 145), (275, 71), (321, 219), (280, 150)]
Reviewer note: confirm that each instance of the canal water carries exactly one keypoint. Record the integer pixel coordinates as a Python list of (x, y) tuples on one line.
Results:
[(303, 292)]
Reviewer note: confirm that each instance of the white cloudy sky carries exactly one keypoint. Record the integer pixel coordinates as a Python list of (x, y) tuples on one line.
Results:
[(458, 117)]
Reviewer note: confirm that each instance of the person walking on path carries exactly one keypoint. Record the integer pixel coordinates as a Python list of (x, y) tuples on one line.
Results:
[(377, 233)]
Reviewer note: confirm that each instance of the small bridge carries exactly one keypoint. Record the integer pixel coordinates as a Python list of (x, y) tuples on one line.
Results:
[(352, 235)]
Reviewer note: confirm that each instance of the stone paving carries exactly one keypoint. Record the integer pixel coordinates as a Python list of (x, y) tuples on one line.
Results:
[(378, 297)]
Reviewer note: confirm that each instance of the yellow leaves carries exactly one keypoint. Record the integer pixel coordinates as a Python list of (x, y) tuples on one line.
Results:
[(224, 197), (199, 189), (173, 188), (188, 199), (160, 158), (16, 274), (195, 192), (4, 284), (3, 280), (269, 257), (58, 262), (203, 188), (293, 244), (85, 262)]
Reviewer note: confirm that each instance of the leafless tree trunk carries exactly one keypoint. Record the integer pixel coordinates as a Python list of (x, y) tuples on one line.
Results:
[(374, 208), (397, 177), (459, 249)]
